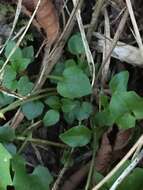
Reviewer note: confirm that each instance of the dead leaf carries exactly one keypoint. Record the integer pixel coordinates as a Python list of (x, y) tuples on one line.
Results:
[(46, 16), (104, 155)]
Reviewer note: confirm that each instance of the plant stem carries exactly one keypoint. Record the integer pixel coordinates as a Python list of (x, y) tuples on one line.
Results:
[(21, 102), (32, 126), (59, 78), (92, 162), (40, 141), (23, 144)]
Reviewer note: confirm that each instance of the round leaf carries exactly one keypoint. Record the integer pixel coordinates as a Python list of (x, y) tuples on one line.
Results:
[(32, 110), (84, 111), (75, 83), (75, 44), (77, 136), (24, 86), (51, 118), (53, 102)]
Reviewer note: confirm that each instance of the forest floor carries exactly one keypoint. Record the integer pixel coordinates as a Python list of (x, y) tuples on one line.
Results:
[(71, 95)]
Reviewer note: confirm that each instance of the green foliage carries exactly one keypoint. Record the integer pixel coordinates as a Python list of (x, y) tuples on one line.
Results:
[(18, 61), (51, 118), (119, 82), (9, 78), (53, 102), (12, 78), (39, 179), (76, 136), (85, 111), (75, 45), (124, 108), (75, 83), (4, 100), (5, 178), (24, 86), (71, 102), (6, 133), (31, 110)]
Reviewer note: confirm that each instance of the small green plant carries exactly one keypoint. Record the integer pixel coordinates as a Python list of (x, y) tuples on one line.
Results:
[(69, 100), (123, 108)]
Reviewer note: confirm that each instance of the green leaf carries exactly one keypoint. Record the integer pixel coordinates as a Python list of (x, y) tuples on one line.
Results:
[(20, 64), (28, 52), (40, 179), (58, 70), (104, 118), (53, 102), (126, 102), (75, 83), (118, 104), (104, 100), (51, 118), (75, 45), (70, 117), (17, 54), (135, 104), (84, 111), (5, 178), (69, 105), (126, 121), (133, 181), (31, 110), (4, 99), (9, 77), (6, 133), (77, 136), (119, 82), (24, 86), (70, 63)]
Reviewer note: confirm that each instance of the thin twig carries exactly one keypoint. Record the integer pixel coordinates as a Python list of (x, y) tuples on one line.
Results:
[(115, 40), (124, 159), (18, 11), (106, 47), (127, 171), (50, 59), (135, 26), (62, 172), (41, 141), (94, 20), (20, 40), (85, 43)]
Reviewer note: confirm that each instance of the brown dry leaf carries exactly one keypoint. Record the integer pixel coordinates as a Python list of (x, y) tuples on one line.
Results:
[(46, 16), (104, 155), (75, 179), (122, 139), (121, 145)]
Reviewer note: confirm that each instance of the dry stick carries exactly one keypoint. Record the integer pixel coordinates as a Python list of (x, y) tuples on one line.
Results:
[(135, 26), (106, 47), (124, 159), (85, 43), (20, 39), (122, 51), (115, 40), (50, 59), (127, 171), (94, 20), (18, 11), (62, 172), (41, 141)]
